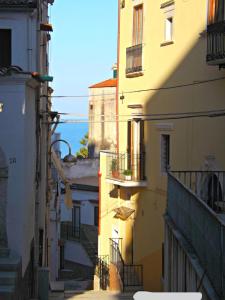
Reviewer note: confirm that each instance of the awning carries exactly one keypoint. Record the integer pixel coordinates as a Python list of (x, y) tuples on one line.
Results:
[(123, 212)]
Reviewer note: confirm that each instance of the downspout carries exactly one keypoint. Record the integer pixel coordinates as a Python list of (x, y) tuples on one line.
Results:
[(99, 202), (118, 75)]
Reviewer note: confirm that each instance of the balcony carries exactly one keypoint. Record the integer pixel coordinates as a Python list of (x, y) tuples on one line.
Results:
[(134, 61), (126, 170), (195, 207), (216, 43)]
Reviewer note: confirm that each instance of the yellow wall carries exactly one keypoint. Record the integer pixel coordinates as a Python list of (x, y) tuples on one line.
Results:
[(194, 142)]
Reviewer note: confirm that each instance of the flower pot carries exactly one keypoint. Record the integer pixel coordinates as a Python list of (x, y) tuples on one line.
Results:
[(127, 177), (115, 174)]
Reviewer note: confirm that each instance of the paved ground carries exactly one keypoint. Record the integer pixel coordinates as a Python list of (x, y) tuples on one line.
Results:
[(81, 295)]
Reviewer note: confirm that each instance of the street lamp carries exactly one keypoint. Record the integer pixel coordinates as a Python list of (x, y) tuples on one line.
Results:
[(69, 158)]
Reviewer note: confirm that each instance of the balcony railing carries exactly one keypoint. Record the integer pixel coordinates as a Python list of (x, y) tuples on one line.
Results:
[(134, 59), (130, 275), (199, 224), (102, 271), (125, 167), (216, 43), (208, 185), (69, 231)]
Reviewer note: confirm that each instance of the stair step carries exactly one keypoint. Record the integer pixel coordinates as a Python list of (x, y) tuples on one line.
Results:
[(10, 263), (8, 278), (7, 292)]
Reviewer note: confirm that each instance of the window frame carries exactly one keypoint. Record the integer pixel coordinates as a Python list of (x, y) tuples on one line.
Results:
[(6, 54), (137, 33)]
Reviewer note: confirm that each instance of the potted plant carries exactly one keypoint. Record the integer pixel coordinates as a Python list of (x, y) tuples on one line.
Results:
[(127, 173), (114, 168)]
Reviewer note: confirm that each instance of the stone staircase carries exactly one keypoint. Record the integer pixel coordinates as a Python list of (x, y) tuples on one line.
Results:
[(101, 295), (10, 271)]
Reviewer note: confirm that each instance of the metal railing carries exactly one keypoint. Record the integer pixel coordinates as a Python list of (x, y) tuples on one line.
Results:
[(200, 226), (69, 231), (134, 59), (216, 42), (124, 166), (102, 270), (208, 185), (130, 275)]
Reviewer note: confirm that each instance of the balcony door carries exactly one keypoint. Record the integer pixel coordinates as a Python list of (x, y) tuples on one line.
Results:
[(135, 148)]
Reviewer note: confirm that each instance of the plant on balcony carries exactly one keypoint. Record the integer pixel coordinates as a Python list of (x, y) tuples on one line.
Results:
[(115, 168), (127, 173)]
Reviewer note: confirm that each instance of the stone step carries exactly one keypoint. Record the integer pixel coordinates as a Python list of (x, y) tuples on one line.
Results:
[(10, 263), (8, 278), (133, 288), (7, 292), (103, 295)]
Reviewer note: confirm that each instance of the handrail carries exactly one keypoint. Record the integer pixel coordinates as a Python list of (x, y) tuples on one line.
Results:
[(130, 274)]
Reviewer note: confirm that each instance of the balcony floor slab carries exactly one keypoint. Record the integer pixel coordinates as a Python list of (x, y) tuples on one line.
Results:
[(127, 183)]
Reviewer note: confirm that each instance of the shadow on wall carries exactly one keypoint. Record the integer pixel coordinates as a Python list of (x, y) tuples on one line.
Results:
[(191, 142)]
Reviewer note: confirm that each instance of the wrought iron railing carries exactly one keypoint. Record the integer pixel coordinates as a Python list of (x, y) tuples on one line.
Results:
[(216, 42), (102, 270), (134, 59), (130, 274), (208, 185), (124, 166), (200, 226), (69, 231)]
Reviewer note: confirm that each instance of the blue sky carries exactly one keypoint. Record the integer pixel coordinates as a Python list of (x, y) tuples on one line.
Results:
[(83, 48)]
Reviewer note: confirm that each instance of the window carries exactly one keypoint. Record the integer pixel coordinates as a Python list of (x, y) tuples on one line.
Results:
[(76, 221), (168, 29), (165, 152), (5, 46), (138, 25), (96, 215), (216, 11), (168, 12)]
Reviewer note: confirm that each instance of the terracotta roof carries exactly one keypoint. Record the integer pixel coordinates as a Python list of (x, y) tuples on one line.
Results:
[(107, 83), (18, 3)]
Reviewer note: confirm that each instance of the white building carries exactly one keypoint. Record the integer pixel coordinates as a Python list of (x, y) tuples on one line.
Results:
[(23, 145), (79, 223)]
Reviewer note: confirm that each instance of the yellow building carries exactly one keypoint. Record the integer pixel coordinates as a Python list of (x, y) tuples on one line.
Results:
[(166, 93)]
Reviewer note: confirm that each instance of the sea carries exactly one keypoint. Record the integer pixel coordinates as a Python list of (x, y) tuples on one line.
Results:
[(72, 133)]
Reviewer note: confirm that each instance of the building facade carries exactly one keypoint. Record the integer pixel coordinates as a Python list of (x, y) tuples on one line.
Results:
[(102, 114), (24, 35), (166, 93)]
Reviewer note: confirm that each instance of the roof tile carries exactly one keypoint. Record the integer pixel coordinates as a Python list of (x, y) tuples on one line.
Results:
[(107, 83)]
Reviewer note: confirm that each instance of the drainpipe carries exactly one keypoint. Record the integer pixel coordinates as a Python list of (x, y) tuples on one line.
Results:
[(99, 202), (118, 75)]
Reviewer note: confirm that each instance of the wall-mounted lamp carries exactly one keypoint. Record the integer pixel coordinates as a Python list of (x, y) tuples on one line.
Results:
[(1, 107), (69, 158)]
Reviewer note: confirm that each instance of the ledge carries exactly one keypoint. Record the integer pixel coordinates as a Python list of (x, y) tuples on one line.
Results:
[(166, 43), (127, 183), (134, 74), (167, 3)]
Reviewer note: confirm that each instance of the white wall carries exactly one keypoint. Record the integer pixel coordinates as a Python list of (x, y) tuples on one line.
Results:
[(86, 207), (23, 26), (75, 252), (18, 122)]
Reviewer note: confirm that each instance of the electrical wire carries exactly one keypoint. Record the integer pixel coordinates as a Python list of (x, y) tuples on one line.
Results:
[(144, 115), (211, 115), (141, 90)]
